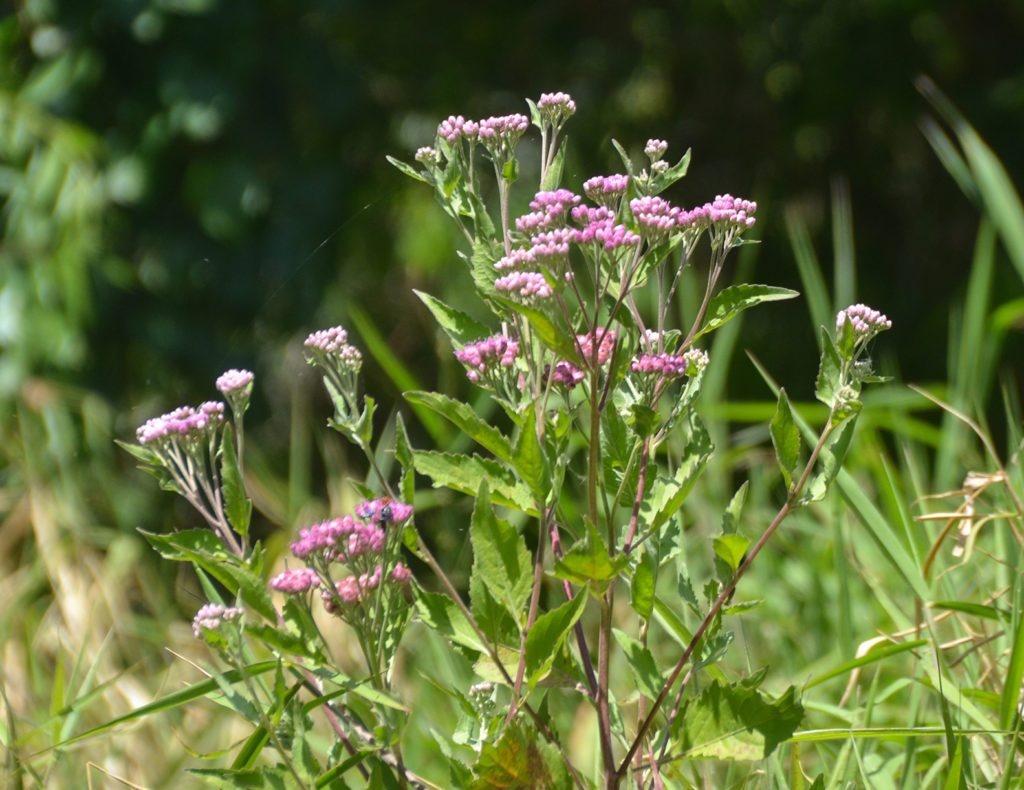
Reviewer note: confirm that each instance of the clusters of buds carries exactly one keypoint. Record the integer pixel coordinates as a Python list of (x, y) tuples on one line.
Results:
[(550, 210), (236, 386), (455, 127), (606, 190), (184, 424), (340, 361), (564, 373), (355, 541), (655, 149), (486, 358), (656, 217), (556, 108), (605, 345), (864, 320), (212, 616), (670, 365), (354, 589)]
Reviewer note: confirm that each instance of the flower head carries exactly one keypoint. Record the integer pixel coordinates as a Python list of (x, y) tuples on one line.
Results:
[(295, 580), (486, 357), (655, 149), (183, 424), (670, 365), (332, 344), (606, 190), (605, 345), (556, 108), (211, 616), (863, 319), (455, 127)]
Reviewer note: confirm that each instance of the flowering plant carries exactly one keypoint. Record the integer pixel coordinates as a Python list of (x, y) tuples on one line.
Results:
[(579, 491)]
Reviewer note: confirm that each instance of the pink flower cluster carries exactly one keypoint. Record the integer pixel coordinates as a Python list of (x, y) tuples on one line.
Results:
[(724, 211), (669, 365), (550, 210), (211, 616), (295, 580), (484, 356), (655, 216), (353, 588), (455, 127), (529, 286), (599, 227), (184, 422), (334, 343), (605, 346), (863, 319), (502, 129), (339, 539), (606, 190), (559, 105), (566, 374), (234, 380), (655, 149)]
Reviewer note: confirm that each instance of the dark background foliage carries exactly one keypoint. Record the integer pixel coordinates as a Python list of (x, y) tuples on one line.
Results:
[(241, 198)]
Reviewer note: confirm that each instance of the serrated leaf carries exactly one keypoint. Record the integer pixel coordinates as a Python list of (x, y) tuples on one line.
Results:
[(731, 301), (830, 371), (466, 420), (668, 494), (662, 181), (500, 557), (786, 438), (648, 678), (459, 327), (588, 562), (515, 761), (555, 167), (731, 517), (731, 548), (409, 170), (547, 635), (734, 722), (626, 161), (830, 460), (237, 506), (465, 473), (642, 585), (441, 614), (528, 457)]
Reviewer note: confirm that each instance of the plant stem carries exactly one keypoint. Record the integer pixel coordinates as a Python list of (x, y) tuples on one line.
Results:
[(788, 506)]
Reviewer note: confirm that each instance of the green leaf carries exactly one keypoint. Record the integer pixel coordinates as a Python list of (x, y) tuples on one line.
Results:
[(466, 420), (459, 327), (528, 458), (668, 494), (731, 301), (517, 760), (642, 585), (731, 548), (830, 459), (734, 722), (648, 678), (500, 557), (237, 506), (1014, 678), (547, 635), (830, 371), (409, 170), (662, 181), (731, 517), (588, 562), (465, 473), (441, 614), (555, 167), (786, 438), (626, 161)]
